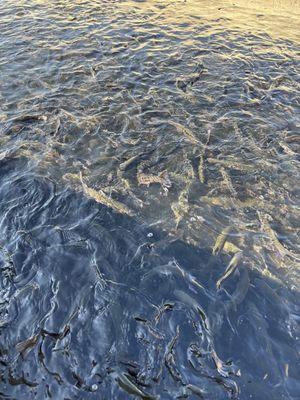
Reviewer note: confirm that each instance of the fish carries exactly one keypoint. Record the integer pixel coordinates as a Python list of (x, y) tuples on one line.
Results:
[(71, 177), (4, 154), (217, 201), (57, 335), (20, 381), (221, 240), (273, 236), (100, 197), (241, 290), (230, 248), (28, 119), (25, 346), (233, 164), (227, 181), (165, 307), (231, 268), (170, 361), (181, 207), (146, 179), (201, 174), (228, 202), (219, 364), (292, 139), (185, 131), (196, 390), (128, 162), (286, 148), (126, 384), (124, 182), (182, 130), (188, 171), (191, 302)]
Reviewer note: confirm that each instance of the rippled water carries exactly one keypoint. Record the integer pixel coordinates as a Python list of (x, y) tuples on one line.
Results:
[(149, 199)]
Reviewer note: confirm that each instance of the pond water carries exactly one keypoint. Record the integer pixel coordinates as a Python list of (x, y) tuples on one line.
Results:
[(149, 199)]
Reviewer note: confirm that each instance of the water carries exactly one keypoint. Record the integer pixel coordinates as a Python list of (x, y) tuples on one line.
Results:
[(149, 200)]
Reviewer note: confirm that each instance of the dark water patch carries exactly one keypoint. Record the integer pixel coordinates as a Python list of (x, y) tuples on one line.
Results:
[(98, 303)]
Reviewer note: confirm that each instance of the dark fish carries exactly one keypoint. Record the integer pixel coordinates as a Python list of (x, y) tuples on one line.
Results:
[(19, 381), (131, 388), (26, 345), (29, 119), (241, 290)]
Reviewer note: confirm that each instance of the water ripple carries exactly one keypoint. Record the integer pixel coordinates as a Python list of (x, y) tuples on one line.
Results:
[(149, 202)]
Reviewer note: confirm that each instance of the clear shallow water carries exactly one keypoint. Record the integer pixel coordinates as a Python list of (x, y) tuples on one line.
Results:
[(122, 292)]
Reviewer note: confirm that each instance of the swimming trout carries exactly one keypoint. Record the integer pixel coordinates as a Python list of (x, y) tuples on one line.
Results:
[(100, 197)]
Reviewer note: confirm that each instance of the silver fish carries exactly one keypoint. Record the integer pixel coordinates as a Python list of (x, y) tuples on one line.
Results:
[(231, 268), (131, 388)]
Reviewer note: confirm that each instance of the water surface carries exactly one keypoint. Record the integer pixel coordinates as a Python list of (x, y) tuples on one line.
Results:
[(149, 199)]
